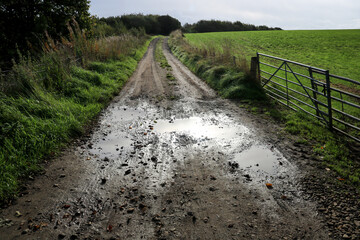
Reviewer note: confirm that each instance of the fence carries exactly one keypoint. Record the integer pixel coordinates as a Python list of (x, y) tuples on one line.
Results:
[(332, 99)]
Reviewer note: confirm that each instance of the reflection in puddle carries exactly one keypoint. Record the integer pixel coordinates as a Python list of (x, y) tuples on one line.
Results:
[(197, 127), (111, 145), (258, 158)]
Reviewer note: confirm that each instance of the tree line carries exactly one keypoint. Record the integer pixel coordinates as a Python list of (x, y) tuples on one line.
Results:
[(148, 24), (203, 26), (26, 24)]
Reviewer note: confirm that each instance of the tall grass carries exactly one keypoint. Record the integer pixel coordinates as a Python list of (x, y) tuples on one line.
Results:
[(44, 102)]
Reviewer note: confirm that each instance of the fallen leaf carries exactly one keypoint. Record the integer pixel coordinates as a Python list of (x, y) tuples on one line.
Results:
[(327, 169), (109, 228), (18, 214), (36, 227), (43, 224), (341, 179), (145, 133), (269, 185), (66, 206)]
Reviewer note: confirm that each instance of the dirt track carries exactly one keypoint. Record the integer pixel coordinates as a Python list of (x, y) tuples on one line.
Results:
[(168, 162)]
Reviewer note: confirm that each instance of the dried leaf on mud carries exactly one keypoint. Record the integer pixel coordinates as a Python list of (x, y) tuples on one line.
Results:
[(18, 214), (109, 228)]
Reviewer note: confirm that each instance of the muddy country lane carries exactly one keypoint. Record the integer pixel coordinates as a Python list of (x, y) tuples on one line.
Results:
[(168, 160)]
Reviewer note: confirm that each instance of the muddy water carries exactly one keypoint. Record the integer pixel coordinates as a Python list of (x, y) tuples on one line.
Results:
[(195, 168)]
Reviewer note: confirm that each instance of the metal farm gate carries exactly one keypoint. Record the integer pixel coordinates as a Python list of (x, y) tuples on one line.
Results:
[(332, 99)]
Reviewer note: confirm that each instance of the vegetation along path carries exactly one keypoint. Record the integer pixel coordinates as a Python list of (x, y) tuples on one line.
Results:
[(169, 159)]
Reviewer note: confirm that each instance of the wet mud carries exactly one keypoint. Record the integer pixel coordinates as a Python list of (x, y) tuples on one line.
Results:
[(197, 167)]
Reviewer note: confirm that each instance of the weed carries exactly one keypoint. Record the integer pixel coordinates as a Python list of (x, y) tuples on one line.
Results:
[(173, 97), (170, 77), (254, 109)]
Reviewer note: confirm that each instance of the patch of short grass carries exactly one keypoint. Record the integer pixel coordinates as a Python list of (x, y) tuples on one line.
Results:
[(161, 59), (328, 146)]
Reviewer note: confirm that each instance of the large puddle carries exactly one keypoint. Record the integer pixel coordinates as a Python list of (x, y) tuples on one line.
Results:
[(260, 158), (199, 127), (144, 132)]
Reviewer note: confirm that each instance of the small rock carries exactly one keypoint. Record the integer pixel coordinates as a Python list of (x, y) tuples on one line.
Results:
[(61, 236), (103, 181), (74, 237), (247, 176), (130, 210), (106, 159), (345, 236), (56, 185), (62, 175), (127, 172), (26, 231), (212, 189)]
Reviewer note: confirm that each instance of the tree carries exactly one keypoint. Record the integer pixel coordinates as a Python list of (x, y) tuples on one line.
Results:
[(23, 23), (168, 24)]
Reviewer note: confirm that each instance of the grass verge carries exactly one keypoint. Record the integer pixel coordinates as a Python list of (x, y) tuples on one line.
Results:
[(161, 59), (230, 81), (44, 109)]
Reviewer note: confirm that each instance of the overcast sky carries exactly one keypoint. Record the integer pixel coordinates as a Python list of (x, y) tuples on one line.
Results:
[(287, 14)]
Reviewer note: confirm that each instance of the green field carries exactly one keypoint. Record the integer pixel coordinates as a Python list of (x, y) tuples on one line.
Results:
[(334, 50)]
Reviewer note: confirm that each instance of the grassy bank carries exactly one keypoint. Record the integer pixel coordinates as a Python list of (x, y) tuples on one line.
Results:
[(46, 102), (228, 79), (232, 80)]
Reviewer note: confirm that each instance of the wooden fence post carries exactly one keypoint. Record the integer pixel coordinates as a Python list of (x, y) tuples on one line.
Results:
[(254, 70)]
